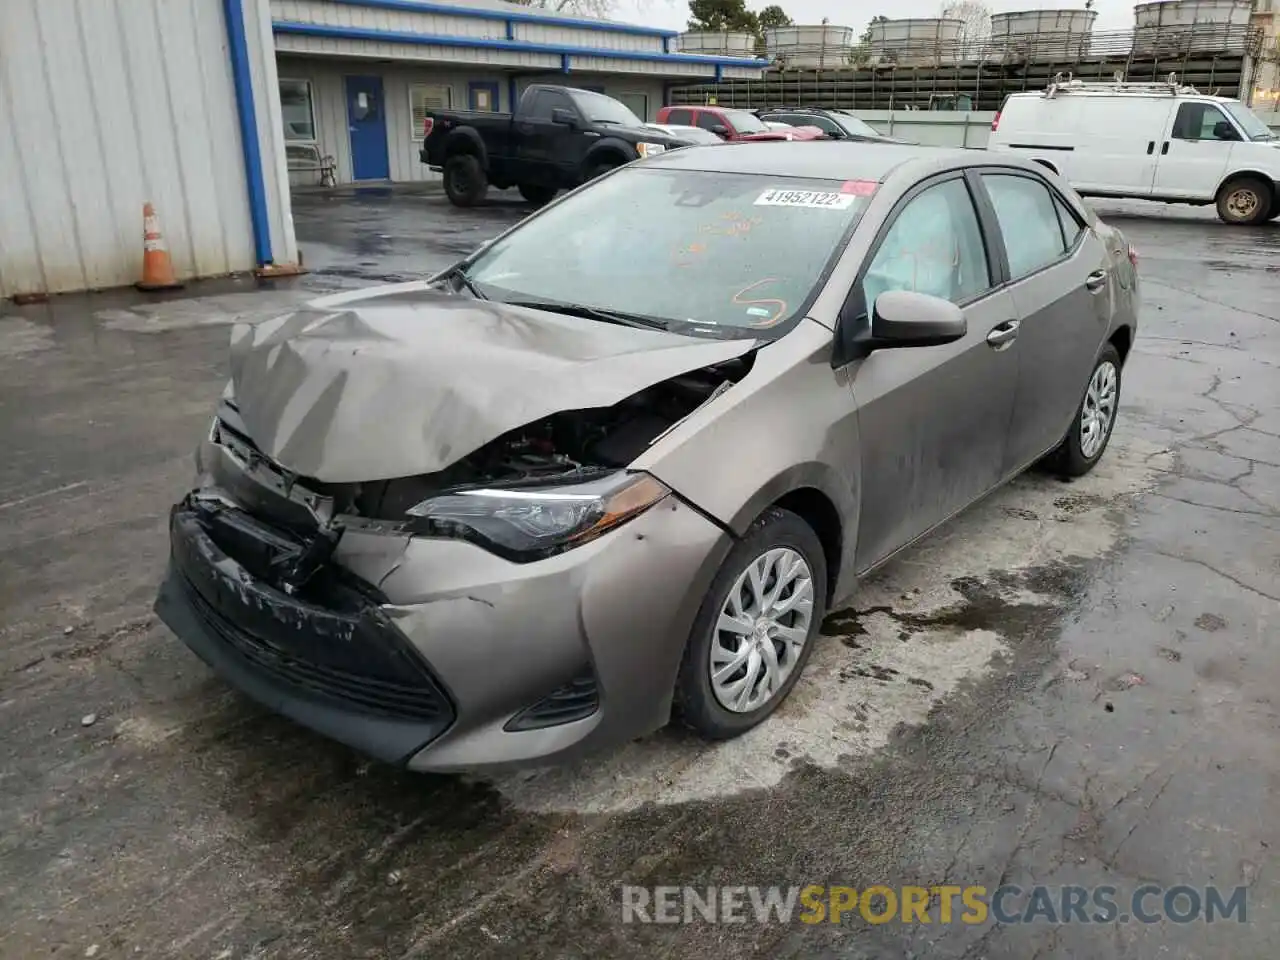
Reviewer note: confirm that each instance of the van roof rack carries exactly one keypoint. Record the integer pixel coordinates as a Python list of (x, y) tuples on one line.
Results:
[(1065, 83)]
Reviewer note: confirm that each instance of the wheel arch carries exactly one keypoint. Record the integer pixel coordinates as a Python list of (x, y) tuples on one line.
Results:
[(466, 141), (1247, 174)]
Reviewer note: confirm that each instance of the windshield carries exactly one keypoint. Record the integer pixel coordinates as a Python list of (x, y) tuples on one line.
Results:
[(854, 126), (1253, 128), (734, 254), (598, 108), (744, 122)]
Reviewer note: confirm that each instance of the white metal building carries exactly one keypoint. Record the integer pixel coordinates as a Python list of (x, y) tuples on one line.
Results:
[(211, 108)]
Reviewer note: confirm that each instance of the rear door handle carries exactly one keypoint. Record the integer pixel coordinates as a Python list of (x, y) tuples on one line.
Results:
[(1096, 281), (1003, 335)]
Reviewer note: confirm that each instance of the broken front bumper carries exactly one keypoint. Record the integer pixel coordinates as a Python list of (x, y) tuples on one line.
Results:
[(343, 670), (459, 659)]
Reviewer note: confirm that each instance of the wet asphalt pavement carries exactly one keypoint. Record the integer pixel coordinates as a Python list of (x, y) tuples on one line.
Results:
[(1070, 684)]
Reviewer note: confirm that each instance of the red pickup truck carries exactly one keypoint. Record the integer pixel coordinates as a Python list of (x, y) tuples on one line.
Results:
[(733, 125)]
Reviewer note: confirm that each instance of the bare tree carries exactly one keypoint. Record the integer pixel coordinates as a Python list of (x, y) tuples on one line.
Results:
[(580, 8), (976, 31)]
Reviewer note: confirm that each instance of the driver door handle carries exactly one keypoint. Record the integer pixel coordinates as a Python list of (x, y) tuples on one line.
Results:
[(1096, 281), (1002, 335)]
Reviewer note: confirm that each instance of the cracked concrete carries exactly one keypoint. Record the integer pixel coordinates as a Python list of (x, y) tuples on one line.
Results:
[(1081, 692)]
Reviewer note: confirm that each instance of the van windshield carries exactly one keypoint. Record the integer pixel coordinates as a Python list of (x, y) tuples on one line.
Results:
[(1253, 128)]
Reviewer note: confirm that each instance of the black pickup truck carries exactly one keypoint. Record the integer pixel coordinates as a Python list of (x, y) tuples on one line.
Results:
[(558, 138)]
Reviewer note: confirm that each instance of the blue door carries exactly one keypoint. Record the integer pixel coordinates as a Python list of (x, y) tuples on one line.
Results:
[(482, 95), (368, 120)]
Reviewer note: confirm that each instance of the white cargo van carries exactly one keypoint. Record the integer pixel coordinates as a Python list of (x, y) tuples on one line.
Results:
[(1154, 141)]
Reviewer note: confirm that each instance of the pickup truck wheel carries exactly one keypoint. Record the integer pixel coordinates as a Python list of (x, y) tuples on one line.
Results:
[(537, 194), (464, 181), (1245, 201), (600, 169)]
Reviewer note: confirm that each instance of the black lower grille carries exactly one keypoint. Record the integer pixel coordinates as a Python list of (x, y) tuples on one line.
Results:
[(352, 655), (576, 700)]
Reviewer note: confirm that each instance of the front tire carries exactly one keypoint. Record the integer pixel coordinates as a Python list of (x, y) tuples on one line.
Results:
[(1245, 201), (1095, 418), (537, 194), (465, 182), (600, 169), (756, 628)]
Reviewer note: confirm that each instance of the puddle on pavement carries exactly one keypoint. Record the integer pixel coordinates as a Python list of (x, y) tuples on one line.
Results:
[(932, 623)]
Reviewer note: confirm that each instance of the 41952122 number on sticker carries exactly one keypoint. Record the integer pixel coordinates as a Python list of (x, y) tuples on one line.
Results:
[(814, 199)]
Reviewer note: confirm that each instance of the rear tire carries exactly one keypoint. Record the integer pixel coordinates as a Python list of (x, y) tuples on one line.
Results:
[(1274, 212), (1245, 201), (788, 554), (537, 194), (1082, 447), (465, 182)]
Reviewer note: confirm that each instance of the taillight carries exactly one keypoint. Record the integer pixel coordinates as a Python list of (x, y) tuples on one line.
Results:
[(427, 124), (1133, 256), (995, 122)]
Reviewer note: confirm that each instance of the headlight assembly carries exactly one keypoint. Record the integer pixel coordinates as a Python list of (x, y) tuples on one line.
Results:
[(525, 523)]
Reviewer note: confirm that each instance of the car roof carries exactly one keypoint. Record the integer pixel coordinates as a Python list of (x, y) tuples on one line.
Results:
[(828, 160)]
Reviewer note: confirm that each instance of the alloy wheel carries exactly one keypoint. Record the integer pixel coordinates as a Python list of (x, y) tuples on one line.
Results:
[(1098, 410), (762, 630)]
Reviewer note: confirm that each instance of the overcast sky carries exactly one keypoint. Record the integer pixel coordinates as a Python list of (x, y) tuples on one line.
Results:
[(1112, 14)]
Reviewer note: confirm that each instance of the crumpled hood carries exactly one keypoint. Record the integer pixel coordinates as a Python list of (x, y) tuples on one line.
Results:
[(405, 380)]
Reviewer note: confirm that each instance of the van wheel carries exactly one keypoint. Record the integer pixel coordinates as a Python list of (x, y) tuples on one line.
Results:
[(756, 628), (464, 181), (1245, 201), (537, 194)]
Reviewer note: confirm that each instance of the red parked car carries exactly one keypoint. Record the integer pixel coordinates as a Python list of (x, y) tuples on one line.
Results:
[(733, 125)]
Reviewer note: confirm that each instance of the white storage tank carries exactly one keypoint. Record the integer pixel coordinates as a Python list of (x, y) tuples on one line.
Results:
[(815, 46), (1190, 26), (916, 42), (726, 43), (1041, 35)]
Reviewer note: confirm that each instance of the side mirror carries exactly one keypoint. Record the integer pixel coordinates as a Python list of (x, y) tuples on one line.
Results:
[(1222, 130), (720, 130), (564, 116), (899, 318), (904, 318)]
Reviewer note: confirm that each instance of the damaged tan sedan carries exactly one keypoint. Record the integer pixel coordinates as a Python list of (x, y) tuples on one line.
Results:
[(617, 464)]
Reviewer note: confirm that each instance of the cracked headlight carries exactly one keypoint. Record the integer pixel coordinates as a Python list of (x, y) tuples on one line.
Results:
[(527, 523)]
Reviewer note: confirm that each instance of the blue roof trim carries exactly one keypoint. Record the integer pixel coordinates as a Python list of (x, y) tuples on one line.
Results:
[(449, 10), (517, 46)]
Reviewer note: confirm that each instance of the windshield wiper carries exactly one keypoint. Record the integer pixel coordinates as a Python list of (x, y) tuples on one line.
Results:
[(457, 273), (593, 313)]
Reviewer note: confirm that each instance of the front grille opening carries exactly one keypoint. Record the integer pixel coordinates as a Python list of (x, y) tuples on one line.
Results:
[(576, 700)]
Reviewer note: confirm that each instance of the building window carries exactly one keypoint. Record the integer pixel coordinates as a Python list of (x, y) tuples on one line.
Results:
[(638, 102), (295, 105), (427, 98)]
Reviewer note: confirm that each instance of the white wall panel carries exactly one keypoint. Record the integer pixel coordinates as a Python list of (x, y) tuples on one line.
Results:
[(107, 104)]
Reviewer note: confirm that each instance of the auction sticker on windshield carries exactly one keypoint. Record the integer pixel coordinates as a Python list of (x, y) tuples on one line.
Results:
[(815, 199)]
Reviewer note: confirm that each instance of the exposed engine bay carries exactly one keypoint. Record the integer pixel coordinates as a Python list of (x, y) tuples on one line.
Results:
[(563, 448)]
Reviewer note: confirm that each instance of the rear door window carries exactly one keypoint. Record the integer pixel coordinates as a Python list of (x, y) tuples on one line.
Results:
[(680, 118), (1071, 225), (1028, 218)]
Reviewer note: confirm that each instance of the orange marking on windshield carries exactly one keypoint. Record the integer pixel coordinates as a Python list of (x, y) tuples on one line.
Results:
[(779, 306)]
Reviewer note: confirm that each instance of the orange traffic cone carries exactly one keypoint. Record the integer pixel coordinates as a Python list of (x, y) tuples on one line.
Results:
[(157, 268)]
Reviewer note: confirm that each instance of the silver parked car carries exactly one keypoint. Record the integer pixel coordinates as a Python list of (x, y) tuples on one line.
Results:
[(620, 461)]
